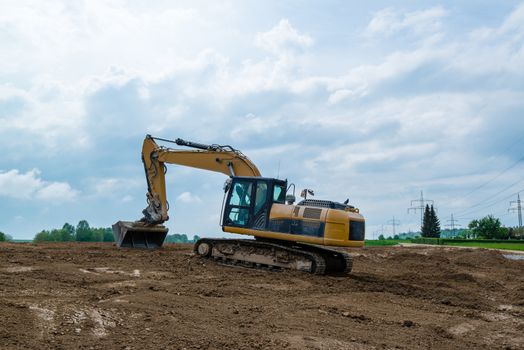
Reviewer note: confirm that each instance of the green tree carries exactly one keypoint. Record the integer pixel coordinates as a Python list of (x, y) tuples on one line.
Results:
[(2, 237), (97, 234), (195, 238), (426, 223), (177, 238), (381, 237), (108, 235), (68, 233), (488, 227), (42, 236), (83, 232), (431, 223), (435, 223), (56, 235)]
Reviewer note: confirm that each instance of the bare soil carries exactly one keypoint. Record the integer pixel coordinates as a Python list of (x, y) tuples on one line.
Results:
[(95, 296)]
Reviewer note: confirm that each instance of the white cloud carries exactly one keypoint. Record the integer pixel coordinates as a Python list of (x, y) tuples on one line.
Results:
[(341, 94), (515, 21), (56, 191), (188, 197), (16, 185), (252, 125), (127, 199), (389, 21), (94, 33), (363, 80), (110, 187), (105, 186), (282, 38), (29, 185), (388, 114), (56, 55), (493, 50)]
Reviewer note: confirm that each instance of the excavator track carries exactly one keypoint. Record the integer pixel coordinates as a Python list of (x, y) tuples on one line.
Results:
[(274, 255), (337, 262)]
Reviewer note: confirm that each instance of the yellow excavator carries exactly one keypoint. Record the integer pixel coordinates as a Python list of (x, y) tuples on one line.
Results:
[(287, 235)]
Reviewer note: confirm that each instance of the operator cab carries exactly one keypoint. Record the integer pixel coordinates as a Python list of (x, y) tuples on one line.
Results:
[(248, 201)]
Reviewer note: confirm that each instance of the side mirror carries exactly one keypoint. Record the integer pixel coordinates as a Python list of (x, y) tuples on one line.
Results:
[(290, 199)]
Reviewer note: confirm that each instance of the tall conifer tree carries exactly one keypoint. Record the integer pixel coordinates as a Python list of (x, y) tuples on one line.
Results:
[(426, 223), (435, 223)]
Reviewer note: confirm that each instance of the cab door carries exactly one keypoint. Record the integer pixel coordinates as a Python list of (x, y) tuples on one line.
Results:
[(239, 208), (261, 205), (248, 203)]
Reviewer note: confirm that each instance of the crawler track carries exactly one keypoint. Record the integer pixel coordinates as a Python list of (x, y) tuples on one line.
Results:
[(275, 255)]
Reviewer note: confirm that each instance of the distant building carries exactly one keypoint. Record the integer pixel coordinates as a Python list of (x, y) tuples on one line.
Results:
[(450, 233)]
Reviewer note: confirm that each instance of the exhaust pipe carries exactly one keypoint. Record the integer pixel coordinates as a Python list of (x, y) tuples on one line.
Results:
[(136, 234)]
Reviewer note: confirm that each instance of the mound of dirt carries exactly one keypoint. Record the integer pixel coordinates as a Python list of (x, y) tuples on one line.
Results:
[(95, 296)]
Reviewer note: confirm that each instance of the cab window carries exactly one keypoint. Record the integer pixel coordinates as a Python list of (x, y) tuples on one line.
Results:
[(239, 204), (279, 193), (241, 194), (239, 216), (261, 196)]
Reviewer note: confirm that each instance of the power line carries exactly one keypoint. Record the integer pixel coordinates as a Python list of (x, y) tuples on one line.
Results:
[(381, 231), (452, 222), (494, 178), (452, 225), (462, 212), (468, 212), (394, 223), (421, 206), (498, 214), (518, 209), (519, 140)]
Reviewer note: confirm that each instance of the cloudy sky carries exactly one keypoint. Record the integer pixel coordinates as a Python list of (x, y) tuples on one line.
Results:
[(373, 101)]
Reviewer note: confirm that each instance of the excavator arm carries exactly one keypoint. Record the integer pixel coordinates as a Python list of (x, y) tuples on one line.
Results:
[(148, 232)]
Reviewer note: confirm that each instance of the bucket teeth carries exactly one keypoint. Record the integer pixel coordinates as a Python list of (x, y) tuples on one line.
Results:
[(138, 235)]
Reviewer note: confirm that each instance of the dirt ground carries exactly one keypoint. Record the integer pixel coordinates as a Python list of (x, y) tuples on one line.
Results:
[(95, 296)]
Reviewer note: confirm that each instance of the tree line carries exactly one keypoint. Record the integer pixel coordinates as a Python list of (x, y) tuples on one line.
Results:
[(490, 227), (4, 237), (81, 233), (181, 238), (84, 233), (487, 227)]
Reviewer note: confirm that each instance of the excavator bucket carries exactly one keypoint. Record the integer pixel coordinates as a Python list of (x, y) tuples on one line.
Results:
[(137, 235)]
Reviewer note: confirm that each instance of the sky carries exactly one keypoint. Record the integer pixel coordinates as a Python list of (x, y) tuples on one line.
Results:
[(371, 101)]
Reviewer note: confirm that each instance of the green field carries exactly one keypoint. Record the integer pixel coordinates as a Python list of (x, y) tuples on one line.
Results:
[(509, 246), (487, 244), (385, 242)]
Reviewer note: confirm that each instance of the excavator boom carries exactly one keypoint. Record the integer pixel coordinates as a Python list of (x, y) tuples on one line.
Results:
[(148, 231)]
